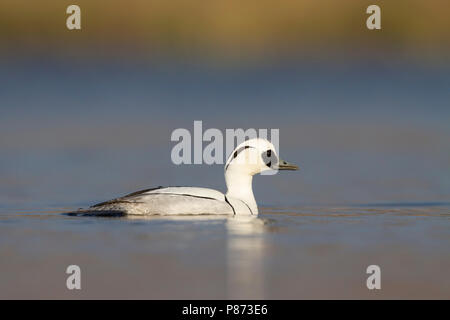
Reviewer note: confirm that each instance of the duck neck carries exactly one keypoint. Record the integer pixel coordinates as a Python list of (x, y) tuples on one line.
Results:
[(239, 186)]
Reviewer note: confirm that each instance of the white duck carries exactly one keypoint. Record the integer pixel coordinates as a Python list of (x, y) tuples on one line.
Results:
[(249, 158)]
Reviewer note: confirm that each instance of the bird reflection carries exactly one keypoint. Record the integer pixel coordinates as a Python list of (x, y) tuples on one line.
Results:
[(245, 254)]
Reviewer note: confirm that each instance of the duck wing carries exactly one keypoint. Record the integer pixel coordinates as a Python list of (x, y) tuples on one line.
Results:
[(169, 201)]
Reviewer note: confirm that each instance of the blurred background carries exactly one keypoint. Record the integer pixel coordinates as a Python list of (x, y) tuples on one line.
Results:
[(86, 115)]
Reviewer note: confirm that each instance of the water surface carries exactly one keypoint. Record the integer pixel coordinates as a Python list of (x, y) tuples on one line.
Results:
[(371, 138), (290, 253)]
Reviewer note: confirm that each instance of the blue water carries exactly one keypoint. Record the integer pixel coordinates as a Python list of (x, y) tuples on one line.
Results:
[(371, 138)]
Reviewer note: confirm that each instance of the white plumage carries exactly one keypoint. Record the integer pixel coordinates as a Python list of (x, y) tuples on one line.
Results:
[(249, 158)]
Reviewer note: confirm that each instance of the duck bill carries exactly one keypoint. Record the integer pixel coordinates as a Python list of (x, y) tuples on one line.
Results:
[(284, 165)]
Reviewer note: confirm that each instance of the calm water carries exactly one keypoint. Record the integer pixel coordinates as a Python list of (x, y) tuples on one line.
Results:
[(292, 253), (372, 141)]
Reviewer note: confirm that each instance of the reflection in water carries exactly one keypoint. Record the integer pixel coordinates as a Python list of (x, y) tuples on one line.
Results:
[(221, 257), (245, 251), (245, 255)]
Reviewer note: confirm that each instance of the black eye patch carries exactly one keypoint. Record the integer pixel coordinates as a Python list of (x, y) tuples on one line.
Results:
[(268, 158)]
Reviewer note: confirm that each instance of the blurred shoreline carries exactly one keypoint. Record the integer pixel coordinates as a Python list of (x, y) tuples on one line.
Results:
[(229, 31)]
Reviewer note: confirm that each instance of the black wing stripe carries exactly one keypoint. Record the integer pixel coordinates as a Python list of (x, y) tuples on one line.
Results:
[(124, 199), (235, 154), (142, 191), (251, 212), (226, 200), (184, 194)]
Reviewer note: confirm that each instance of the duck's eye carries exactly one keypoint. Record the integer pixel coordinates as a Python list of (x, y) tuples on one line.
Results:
[(268, 158)]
